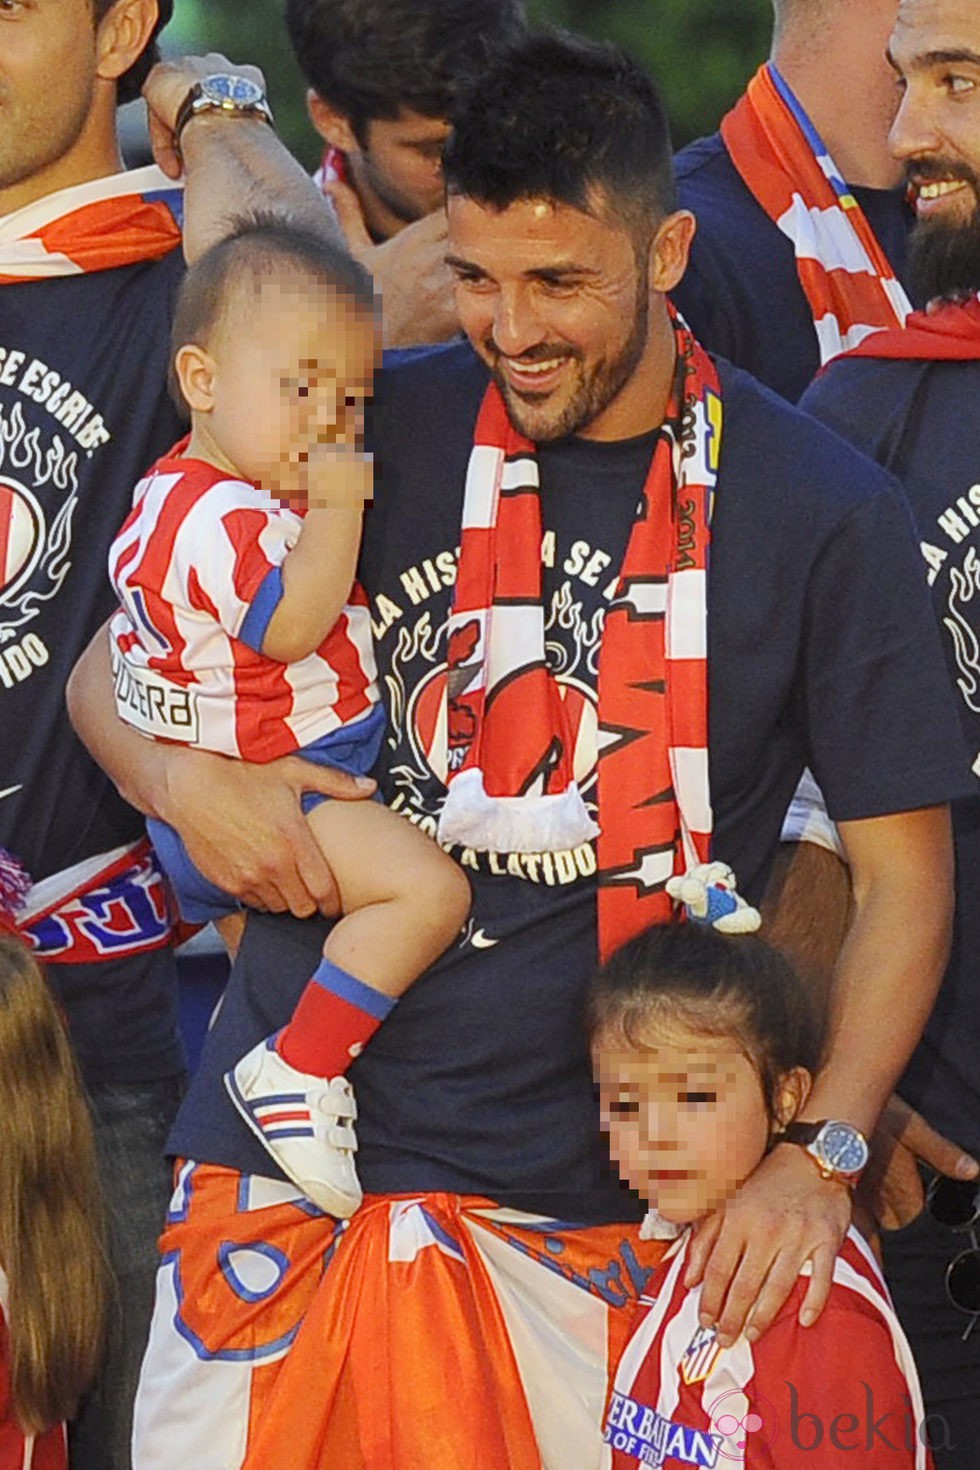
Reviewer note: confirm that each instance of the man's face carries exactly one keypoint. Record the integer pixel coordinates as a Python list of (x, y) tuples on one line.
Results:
[(556, 303), (48, 59), (935, 49), (397, 171)]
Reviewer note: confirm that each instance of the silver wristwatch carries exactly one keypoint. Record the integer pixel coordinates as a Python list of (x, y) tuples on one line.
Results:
[(225, 92)]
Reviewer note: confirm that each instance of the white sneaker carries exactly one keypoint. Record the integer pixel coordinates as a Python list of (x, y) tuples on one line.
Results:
[(305, 1122)]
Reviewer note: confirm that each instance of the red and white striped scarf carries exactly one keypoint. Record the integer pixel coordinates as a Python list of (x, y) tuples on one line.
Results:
[(96, 226), (511, 785), (846, 276)]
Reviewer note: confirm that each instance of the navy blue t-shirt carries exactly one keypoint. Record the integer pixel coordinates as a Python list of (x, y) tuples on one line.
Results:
[(741, 293), (83, 412), (480, 1079), (916, 418)]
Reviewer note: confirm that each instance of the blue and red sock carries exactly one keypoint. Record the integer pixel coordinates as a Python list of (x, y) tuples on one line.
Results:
[(336, 1016)]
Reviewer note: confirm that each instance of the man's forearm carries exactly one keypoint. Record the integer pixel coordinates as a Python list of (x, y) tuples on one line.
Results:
[(232, 165), (891, 964), (137, 766), (236, 166)]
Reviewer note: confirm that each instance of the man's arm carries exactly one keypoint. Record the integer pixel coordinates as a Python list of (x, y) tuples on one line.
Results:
[(241, 823), (806, 913), (232, 165), (883, 988)]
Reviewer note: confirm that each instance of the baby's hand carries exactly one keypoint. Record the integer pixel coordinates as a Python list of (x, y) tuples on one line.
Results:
[(340, 478)]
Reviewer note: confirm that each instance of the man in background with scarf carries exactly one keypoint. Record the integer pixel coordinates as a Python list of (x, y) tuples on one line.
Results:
[(800, 246), (906, 398), (384, 77), (89, 261)]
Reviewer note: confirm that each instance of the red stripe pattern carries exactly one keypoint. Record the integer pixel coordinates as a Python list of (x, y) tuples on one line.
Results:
[(100, 225), (508, 777), (845, 275), (187, 565)]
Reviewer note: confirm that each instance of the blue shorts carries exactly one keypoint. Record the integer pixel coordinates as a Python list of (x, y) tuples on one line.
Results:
[(354, 748)]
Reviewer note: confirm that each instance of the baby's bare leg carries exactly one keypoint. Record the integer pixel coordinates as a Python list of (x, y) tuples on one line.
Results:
[(403, 903), (403, 899)]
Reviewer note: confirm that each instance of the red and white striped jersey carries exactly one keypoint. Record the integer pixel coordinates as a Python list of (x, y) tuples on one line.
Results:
[(798, 1399), (47, 1451), (197, 570)]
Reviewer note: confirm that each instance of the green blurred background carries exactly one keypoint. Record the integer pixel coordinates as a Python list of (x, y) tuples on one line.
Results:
[(701, 51)]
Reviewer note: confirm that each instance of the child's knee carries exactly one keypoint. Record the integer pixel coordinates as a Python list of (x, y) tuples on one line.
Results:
[(453, 897)]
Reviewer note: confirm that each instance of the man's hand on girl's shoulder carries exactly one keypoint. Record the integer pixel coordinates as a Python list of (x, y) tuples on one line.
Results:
[(750, 1254)]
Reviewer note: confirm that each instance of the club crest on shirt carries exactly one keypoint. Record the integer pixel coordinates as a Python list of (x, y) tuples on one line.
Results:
[(21, 531), (700, 1355)]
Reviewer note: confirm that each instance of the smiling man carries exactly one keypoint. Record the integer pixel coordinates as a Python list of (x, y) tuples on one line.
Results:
[(591, 669), (905, 398)]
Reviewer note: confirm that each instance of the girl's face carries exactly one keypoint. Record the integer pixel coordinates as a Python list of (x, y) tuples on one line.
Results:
[(686, 1116)]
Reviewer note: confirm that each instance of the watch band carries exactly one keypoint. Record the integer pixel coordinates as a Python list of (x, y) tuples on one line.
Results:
[(203, 97)]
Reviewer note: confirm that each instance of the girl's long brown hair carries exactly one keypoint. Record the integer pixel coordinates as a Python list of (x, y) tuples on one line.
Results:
[(52, 1225)]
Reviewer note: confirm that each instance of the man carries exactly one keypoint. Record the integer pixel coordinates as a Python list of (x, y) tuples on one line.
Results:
[(494, 1248), (902, 398), (789, 267), (384, 77), (791, 264), (88, 265)]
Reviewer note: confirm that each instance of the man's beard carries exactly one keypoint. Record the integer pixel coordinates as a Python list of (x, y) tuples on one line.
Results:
[(593, 390), (944, 254)]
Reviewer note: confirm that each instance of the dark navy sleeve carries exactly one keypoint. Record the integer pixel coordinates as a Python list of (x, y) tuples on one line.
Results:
[(882, 726)]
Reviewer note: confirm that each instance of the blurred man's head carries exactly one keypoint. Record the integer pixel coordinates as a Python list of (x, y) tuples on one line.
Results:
[(935, 50), (385, 77), (63, 66)]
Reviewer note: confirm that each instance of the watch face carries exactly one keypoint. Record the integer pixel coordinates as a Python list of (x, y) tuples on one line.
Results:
[(224, 87), (843, 1147)]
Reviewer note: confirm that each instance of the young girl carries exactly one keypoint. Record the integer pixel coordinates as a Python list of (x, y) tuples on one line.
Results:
[(53, 1282), (704, 1048), (238, 633)]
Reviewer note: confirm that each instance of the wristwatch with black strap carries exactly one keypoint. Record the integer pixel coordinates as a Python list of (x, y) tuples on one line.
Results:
[(223, 92), (839, 1150)]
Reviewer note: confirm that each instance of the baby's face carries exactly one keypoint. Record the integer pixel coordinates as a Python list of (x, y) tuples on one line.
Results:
[(292, 381), (685, 1116)]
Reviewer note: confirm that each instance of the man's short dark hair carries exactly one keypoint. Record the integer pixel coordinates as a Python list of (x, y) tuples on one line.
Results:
[(128, 87), (371, 58), (571, 121), (260, 247)]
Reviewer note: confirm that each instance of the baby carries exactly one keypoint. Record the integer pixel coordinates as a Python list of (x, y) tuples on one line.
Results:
[(240, 632)]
